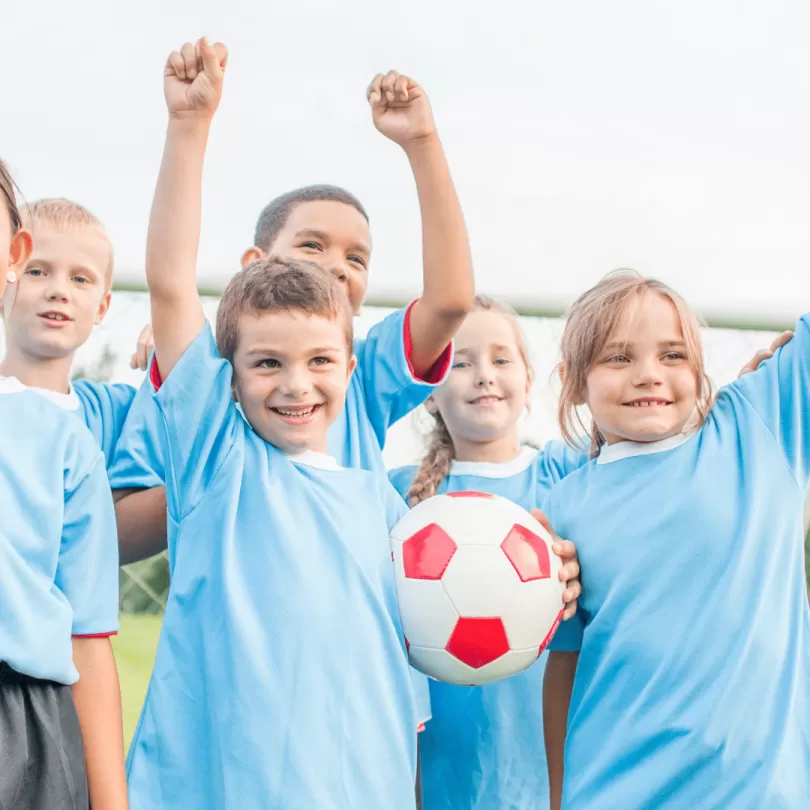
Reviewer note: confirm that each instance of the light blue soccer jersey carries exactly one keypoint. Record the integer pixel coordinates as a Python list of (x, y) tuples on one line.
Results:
[(102, 406), (483, 748), (105, 407), (281, 679), (693, 683), (382, 390), (58, 549)]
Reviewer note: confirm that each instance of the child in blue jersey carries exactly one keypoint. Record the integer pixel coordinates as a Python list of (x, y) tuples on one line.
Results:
[(688, 665), (61, 739), (482, 749), (51, 310), (401, 360), (281, 679)]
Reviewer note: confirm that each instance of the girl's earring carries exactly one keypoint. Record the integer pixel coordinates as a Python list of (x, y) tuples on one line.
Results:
[(11, 277)]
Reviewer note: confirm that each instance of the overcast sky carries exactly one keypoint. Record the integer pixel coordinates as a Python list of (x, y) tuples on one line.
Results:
[(673, 137)]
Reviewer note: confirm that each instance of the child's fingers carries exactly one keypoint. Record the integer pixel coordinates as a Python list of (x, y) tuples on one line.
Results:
[(543, 521), (374, 92), (784, 338), (211, 60), (564, 549), (401, 88), (569, 612), (389, 84), (569, 571), (176, 64), (572, 593), (222, 54), (189, 53)]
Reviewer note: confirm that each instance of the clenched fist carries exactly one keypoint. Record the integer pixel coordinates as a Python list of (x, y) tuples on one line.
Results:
[(192, 79)]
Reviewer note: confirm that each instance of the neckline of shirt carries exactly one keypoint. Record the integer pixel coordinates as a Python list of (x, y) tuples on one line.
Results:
[(68, 402), (495, 469), (312, 458), (616, 452)]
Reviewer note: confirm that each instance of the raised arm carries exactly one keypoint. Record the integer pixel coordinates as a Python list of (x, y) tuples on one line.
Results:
[(192, 86), (401, 112)]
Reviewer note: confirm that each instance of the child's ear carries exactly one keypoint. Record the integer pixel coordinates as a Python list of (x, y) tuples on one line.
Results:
[(103, 307), (432, 407), (252, 254), (19, 252), (352, 366), (234, 395)]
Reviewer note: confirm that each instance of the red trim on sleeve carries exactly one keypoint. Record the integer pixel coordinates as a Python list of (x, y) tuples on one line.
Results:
[(154, 375), (438, 370), (97, 635)]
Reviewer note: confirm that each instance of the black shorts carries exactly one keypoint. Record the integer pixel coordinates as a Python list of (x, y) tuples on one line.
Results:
[(41, 754)]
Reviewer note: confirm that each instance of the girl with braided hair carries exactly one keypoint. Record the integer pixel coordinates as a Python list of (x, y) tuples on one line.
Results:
[(483, 747)]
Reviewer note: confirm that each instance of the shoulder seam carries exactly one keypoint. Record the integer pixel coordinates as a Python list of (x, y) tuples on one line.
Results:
[(773, 438)]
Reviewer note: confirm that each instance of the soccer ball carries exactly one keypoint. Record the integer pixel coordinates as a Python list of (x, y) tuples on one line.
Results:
[(478, 587)]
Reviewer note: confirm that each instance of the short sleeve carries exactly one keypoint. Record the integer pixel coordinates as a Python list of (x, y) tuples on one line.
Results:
[(87, 568), (779, 391), (401, 479), (105, 410), (395, 506), (200, 422), (138, 459), (390, 385), (560, 460)]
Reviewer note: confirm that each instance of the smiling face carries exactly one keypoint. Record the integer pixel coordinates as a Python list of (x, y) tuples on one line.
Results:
[(62, 293), (642, 386), (333, 235), (291, 371), (488, 387)]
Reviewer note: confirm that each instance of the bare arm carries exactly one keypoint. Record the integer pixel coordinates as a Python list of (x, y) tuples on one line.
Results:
[(141, 518), (402, 112), (192, 86), (98, 704), (558, 683), (449, 288)]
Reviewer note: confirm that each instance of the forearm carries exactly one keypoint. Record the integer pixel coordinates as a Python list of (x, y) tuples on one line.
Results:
[(558, 683), (98, 704), (449, 287), (141, 518), (173, 241)]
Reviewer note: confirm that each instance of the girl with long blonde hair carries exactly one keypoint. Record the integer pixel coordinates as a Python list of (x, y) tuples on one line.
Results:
[(684, 681)]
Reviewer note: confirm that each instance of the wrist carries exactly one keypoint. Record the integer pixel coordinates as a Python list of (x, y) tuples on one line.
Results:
[(423, 145), (189, 124)]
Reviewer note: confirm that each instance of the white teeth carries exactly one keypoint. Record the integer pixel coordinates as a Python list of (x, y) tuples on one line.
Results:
[(646, 404), (55, 316), (285, 412)]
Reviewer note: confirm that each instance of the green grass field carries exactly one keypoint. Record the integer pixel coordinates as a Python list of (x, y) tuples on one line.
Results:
[(135, 647)]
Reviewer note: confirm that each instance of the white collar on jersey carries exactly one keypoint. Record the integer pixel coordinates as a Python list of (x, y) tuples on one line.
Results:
[(312, 458), (491, 469), (620, 450), (68, 402)]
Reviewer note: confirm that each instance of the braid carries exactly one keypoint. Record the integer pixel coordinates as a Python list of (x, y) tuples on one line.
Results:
[(435, 463)]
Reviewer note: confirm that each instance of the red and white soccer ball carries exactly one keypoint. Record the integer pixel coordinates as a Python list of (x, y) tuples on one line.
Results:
[(478, 587)]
